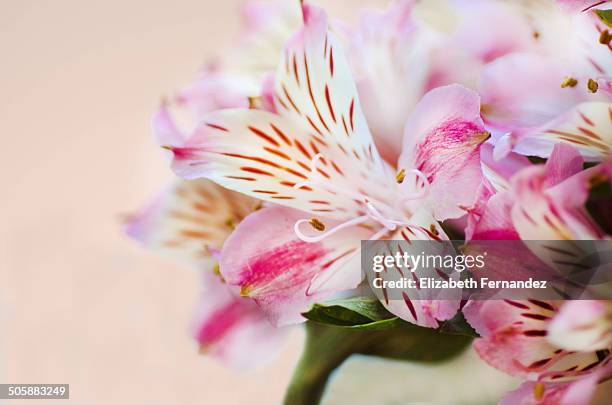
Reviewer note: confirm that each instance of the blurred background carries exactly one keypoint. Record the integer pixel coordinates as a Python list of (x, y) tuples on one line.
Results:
[(79, 302)]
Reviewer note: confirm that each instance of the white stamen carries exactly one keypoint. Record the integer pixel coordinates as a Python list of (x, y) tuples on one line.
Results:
[(423, 192), (377, 216)]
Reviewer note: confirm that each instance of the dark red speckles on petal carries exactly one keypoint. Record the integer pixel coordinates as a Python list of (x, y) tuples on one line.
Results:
[(410, 305)]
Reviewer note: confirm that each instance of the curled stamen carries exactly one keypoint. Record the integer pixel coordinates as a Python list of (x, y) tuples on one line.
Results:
[(323, 235), (423, 192), (377, 216)]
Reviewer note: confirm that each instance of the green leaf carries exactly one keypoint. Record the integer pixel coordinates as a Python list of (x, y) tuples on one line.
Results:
[(358, 311), (458, 326), (605, 16)]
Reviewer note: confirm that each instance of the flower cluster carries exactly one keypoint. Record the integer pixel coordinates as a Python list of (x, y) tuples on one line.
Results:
[(491, 117)]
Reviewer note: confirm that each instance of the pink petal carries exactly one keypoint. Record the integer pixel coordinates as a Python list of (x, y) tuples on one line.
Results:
[(548, 208), (267, 261), (514, 340), (417, 306), (499, 171), (582, 325), (587, 127), (494, 222), (389, 54), (233, 329), (521, 91), (442, 139), (165, 129)]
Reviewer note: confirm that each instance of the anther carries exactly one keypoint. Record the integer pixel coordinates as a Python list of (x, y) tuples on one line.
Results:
[(433, 230), (400, 176), (605, 37), (569, 81), (316, 224), (538, 391), (592, 86), (255, 103), (230, 223)]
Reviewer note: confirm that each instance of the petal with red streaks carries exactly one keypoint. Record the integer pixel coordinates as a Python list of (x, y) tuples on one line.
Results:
[(267, 261), (189, 217)]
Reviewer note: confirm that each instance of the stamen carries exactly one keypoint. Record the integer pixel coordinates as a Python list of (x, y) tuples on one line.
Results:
[(538, 391), (400, 176), (592, 86), (433, 230), (230, 223), (424, 191), (377, 216), (316, 224), (255, 103), (569, 81), (320, 237)]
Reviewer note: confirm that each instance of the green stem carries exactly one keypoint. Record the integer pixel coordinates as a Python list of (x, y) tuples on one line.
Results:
[(325, 349)]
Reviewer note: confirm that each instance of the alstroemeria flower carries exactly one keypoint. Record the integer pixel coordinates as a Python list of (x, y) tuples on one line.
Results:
[(556, 92), (515, 339), (316, 155), (399, 54), (190, 222), (544, 202), (543, 340)]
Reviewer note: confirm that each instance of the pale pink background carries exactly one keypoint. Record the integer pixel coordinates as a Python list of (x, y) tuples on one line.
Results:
[(79, 303)]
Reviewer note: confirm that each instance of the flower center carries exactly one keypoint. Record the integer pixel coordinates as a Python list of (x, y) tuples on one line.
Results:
[(375, 209)]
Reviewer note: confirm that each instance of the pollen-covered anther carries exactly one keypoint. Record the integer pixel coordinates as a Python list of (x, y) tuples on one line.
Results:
[(433, 229), (316, 224), (167, 147), (538, 391), (605, 37), (255, 103), (245, 291), (569, 81), (592, 86), (400, 176)]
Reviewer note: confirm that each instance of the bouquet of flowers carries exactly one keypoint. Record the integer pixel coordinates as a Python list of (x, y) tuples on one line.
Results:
[(428, 121)]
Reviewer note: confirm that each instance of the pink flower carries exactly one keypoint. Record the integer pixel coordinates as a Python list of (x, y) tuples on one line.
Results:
[(316, 156), (555, 92), (190, 222), (515, 339)]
